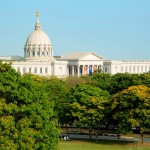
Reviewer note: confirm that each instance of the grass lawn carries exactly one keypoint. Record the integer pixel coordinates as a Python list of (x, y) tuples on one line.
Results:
[(101, 145)]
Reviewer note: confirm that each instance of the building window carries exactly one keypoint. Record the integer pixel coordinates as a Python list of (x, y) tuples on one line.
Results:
[(29, 70), (24, 70), (28, 54), (33, 53), (130, 69), (138, 68), (18, 69), (38, 53), (105, 69), (40, 70), (145, 68), (122, 69), (43, 53), (133, 69), (126, 69), (46, 70), (116, 69), (141, 68), (35, 70)]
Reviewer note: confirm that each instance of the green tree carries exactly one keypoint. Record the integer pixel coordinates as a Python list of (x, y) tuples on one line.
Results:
[(26, 113), (131, 108), (59, 93), (145, 78), (101, 80), (73, 81), (121, 81), (87, 106)]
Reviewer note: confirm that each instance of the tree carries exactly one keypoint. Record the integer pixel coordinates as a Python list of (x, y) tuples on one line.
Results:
[(59, 93), (101, 80), (26, 113), (73, 81), (145, 78), (131, 108), (87, 106), (121, 81)]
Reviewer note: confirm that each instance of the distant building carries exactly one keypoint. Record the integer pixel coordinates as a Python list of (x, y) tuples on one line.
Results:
[(38, 59), (136, 67), (5, 58)]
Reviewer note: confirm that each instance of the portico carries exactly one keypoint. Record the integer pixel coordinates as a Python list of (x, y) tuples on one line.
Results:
[(83, 63), (83, 70)]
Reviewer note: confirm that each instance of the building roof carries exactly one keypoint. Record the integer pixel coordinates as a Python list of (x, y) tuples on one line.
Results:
[(79, 56)]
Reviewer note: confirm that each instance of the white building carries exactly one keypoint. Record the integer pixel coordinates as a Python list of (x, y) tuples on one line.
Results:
[(38, 56), (113, 67), (39, 59)]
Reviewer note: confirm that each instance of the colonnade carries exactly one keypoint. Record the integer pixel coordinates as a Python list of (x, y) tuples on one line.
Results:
[(83, 70), (34, 53)]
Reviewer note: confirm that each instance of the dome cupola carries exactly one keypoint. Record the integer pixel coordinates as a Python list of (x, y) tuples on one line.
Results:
[(38, 45)]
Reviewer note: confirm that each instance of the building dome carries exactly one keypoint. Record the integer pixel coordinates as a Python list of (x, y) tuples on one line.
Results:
[(38, 45), (38, 38)]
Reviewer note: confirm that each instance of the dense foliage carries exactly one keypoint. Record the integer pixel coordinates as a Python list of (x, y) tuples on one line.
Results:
[(87, 105), (26, 113), (33, 107)]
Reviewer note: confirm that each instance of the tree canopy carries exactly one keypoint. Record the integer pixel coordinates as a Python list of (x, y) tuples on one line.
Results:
[(26, 113), (131, 108)]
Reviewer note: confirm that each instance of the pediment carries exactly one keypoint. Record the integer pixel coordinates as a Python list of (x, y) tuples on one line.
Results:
[(82, 56), (90, 57)]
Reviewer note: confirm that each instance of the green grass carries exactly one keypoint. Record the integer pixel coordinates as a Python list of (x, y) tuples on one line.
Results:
[(101, 145)]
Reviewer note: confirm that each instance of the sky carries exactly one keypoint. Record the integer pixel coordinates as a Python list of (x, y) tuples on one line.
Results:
[(113, 29)]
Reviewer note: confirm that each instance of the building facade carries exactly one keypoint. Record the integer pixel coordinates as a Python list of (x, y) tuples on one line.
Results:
[(38, 59), (136, 67)]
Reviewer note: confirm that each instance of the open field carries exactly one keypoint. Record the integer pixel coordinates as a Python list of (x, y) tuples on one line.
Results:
[(101, 145)]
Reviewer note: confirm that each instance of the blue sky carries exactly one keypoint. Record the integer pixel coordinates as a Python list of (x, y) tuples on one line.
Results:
[(114, 29)]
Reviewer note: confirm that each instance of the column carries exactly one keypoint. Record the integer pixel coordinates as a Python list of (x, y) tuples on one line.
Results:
[(72, 70), (87, 73), (78, 70), (84, 70), (68, 70)]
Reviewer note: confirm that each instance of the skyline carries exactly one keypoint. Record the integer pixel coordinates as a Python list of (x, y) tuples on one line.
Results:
[(114, 30)]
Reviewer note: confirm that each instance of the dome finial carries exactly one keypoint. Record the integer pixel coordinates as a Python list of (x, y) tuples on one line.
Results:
[(37, 16), (37, 13), (37, 26)]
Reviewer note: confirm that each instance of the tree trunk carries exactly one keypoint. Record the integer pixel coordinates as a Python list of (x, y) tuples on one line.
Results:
[(67, 130), (90, 133), (142, 138), (96, 134), (119, 136)]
